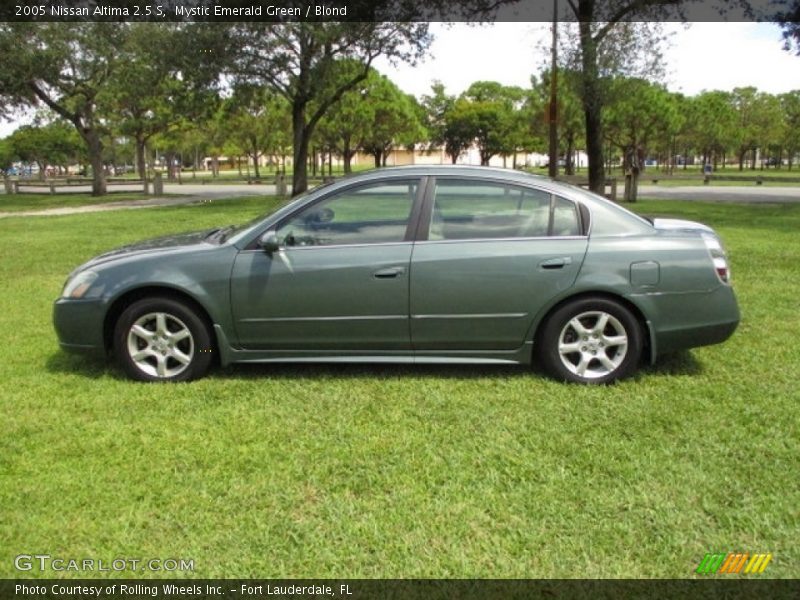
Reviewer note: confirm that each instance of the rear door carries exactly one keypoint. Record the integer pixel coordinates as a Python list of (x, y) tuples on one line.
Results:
[(489, 256)]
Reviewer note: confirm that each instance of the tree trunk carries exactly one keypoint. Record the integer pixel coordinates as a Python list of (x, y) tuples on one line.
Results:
[(376, 154), (569, 168), (300, 149), (255, 165), (347, 156), (592, 102), (170, 156), (141, 162), (95, 147)]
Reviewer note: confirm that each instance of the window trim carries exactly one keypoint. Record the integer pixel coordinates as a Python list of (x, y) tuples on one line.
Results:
[(581, 211), (411, 226)]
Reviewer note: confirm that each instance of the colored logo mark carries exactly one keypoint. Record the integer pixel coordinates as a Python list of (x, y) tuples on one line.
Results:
[(734, 562)]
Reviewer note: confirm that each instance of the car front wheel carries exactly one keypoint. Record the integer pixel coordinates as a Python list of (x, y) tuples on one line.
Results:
[(592, 340), (160, 339)]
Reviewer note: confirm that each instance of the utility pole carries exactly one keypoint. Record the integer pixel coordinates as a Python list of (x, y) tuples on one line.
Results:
[(553, 167)]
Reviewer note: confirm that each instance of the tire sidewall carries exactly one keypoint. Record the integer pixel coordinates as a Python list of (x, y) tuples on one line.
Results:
[(548, 341), (201, 361)]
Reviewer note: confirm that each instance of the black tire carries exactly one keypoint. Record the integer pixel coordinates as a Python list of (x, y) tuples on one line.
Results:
[(599, 356), (170, 342)]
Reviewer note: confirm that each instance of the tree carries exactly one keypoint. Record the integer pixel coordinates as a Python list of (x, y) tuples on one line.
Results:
[(64, 68), (608, 41), (788, 17), (486, 114), (443, 131), (7, 155), (162, 80), (138, 76), (711, 125), (757, 119), (299, 61), (571, 124), (790, 103), (53, 144), (256, 120), (345, 127), (642, 113), (392, 120)]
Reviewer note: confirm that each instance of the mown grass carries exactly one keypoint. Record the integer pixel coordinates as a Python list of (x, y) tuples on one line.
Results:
[(25, 202), (695, 177), (384, 471)]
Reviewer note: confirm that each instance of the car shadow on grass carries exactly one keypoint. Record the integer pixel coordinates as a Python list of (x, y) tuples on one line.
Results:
[(61, 362), (674, 363), (679, 363), (367, 371)]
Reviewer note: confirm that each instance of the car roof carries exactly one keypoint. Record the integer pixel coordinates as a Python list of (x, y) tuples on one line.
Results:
[(453, 170)]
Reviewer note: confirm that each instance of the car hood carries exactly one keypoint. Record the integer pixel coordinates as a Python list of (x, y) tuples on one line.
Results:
[(680, 225), (170, 242)]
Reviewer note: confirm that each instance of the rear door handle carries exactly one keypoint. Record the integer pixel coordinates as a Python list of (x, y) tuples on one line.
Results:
[(389, 272), (556, 263)]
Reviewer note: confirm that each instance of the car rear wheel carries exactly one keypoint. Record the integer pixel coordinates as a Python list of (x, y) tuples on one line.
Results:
[(160, 339), (592, 340)]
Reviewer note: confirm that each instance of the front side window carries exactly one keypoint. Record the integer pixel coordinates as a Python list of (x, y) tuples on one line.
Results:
[(373, 214), (464, 209)]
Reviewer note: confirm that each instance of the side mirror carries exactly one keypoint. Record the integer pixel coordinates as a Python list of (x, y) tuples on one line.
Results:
[(269, 242)]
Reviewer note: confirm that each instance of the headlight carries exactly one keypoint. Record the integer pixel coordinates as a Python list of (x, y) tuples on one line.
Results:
[(78, 285)]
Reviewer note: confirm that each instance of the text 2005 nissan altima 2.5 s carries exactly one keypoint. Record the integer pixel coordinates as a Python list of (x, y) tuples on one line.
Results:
[(411, 265)]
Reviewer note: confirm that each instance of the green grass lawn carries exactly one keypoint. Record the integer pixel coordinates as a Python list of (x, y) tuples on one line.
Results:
[(389, 471), (694, 177), (24, 202)]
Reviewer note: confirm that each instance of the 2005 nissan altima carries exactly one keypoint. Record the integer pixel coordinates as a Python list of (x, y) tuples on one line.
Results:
[(411, 264)]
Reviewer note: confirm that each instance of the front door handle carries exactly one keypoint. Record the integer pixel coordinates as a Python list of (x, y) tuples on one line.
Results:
[(389, 272), (556, 263)]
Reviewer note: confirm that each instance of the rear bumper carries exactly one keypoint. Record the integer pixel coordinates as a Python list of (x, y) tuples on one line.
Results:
[(680, 339), (79, 325), (696, 319)]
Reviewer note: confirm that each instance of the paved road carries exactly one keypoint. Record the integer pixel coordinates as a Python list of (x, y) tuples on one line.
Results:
[(753, 194), (173, 194), (190, 193)]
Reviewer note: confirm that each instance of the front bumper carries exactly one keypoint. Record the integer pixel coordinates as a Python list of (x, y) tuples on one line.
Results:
[(79, 325)]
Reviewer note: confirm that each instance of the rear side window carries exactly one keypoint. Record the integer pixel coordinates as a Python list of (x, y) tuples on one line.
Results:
[(464, 209), (565, 218)]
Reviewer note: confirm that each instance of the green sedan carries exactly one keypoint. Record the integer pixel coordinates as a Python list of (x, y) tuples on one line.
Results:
[(432, 264)]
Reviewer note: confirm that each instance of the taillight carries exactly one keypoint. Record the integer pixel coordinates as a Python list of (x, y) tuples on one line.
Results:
[(718, 257)]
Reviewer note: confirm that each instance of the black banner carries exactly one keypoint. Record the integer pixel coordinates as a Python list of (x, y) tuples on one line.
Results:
[(279, 11), (406, 589)]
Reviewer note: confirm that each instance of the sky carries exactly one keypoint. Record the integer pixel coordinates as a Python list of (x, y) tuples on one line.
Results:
[(719, 56)]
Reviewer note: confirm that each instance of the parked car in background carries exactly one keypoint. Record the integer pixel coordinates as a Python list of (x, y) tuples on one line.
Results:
[(433, 264)]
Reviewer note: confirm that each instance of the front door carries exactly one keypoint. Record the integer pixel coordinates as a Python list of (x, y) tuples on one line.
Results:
[(340, 279)]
